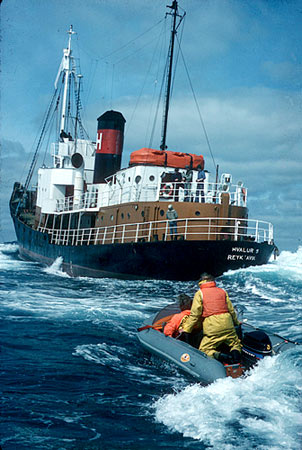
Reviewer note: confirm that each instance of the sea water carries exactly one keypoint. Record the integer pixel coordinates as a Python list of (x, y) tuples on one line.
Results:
[(74, 376)]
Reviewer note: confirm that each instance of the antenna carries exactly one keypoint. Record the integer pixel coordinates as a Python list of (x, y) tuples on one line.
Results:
[(174, 8)]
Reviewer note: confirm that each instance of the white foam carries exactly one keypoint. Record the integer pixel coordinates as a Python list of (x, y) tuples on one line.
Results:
[(56, 268), (9, 258), (100, 353), (288, 264), (261, 407), (9, 248)]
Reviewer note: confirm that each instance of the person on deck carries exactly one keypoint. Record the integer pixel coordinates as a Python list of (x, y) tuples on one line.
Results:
[(201, 176), (212, 305), (188, 184), (176, 178), (172, 217), (174, 326)]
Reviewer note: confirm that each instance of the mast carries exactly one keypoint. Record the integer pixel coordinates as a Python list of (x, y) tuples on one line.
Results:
[(65, 67), (174, 13)]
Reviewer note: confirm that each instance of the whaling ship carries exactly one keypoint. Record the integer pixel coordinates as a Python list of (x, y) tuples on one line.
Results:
[(106, 221)]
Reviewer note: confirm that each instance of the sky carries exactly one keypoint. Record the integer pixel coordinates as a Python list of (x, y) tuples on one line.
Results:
[(244, 60)]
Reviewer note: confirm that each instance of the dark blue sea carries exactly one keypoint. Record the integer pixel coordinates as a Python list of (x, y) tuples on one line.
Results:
[(73, 375)]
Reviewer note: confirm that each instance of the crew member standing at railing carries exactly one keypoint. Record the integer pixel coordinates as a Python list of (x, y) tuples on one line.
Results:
[(188, 184), (172, 217), (176, 178), (200, 184)]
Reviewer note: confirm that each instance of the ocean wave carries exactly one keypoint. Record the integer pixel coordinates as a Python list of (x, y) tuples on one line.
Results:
[(9, 258), (262, 409)]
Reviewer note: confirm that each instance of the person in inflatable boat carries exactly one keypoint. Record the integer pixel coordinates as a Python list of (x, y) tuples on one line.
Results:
[(175, 324), (212, 305)]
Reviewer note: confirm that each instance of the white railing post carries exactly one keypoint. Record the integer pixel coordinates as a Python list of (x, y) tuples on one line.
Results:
[(113, 234), (104, 237), (150, 229), (271, 233), (256, 232), (123, 233), (96, 235), (209, 228), (236, 229), (136, 232), (166, 230), (186, 229)]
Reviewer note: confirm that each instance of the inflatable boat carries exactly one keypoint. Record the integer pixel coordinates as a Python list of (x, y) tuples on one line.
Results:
[(257, 344)]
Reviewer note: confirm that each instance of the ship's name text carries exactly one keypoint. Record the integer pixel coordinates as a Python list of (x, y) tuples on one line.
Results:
[(247, 254)]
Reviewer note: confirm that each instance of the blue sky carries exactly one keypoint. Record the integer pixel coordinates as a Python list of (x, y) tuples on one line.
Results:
[(245, 63)]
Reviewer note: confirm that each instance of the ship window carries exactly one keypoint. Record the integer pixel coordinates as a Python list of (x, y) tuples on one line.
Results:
[(102, 217), (143, 213), (122, 215), (136, 207), (197, 213), (162, 212), (111, 217), (129, 179), (152, 178), (128, 215), (137, 179)]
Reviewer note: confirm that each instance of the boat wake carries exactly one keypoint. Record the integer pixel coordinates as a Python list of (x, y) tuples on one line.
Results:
[(230, 414)]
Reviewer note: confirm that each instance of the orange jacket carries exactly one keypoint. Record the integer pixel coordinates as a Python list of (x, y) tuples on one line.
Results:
[(214, 300), (171, 329)]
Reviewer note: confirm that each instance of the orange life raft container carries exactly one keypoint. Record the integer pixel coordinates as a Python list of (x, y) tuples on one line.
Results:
[(166, 158)]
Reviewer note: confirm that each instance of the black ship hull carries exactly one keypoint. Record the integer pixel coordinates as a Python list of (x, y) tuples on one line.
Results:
[(167, 260)]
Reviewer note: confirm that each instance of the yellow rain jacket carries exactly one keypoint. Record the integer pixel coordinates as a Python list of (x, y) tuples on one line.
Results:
[(218, 325)]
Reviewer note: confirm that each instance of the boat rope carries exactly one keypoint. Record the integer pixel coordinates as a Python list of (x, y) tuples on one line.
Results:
[(198, 109), (130, 42), (145, 80), (34, 160)]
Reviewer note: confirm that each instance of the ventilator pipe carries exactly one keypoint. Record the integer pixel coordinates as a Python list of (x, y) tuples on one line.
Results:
[(78, 163)]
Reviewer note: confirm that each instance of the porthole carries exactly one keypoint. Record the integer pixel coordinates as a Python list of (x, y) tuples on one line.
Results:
[(122, 215), (143, 213), (162, 212), (102, 217), (129, 179), (136, 207), (128, 215), (197, 213), (152, 178), (137, 179)]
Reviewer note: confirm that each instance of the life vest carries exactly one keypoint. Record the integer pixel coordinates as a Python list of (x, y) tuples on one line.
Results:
[(214, 300), (171, 329)]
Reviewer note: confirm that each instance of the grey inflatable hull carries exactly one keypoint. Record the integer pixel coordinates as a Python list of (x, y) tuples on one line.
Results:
[(196, 363)]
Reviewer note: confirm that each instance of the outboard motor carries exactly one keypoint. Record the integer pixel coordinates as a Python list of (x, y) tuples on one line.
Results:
[(255, 346)]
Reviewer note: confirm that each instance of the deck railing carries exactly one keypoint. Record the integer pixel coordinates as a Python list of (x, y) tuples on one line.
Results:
[(188, 192), (209, 228)]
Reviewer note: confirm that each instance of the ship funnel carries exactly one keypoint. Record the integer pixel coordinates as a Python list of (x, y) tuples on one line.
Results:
[(110, 139)]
